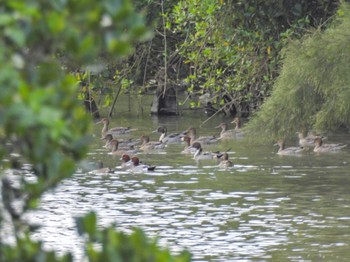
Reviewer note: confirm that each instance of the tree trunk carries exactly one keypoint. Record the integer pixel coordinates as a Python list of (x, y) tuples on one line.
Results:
[(91, 106), (164, 100)]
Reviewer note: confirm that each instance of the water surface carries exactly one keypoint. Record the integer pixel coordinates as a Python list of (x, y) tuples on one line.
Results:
[(265, 208)]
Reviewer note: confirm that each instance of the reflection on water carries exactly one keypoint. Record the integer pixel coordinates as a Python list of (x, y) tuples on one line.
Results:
[(266, 208)]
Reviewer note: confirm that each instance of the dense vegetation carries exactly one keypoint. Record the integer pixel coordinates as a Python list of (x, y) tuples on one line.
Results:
[(42, 120), (313, 89), (230, 51)]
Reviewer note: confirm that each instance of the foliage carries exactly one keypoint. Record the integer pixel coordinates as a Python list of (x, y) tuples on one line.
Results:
[(230, 51), (40, 117), (118, 246), (234, 47), (28, 250), (141, 67), (313, 89)]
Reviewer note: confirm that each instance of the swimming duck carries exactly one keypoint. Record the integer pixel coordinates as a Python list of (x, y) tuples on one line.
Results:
[(283, 150), (101, 169), (200, 155), (150, 145), (226, 134), (113, 131), (120, 151), (108, 139), (225, 162), (306, 141), (168, 139), (321, 147), (137, 166), (188, 147), (126, 161), (192, 133), (127, 143), (238, 129)]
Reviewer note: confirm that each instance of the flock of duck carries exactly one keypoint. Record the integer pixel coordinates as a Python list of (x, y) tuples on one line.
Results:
[(306, 143), (127, 149)]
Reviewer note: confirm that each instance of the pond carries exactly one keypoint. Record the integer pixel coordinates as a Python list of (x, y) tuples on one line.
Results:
[(265, 208)]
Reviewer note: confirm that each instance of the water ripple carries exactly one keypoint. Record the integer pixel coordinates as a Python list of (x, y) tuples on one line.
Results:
[(273, 209)]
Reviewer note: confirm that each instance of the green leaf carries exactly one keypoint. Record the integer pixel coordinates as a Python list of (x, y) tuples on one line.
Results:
[(16, 35), (87, 224)]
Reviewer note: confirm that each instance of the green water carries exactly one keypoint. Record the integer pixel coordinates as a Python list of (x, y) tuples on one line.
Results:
[(266, 208)]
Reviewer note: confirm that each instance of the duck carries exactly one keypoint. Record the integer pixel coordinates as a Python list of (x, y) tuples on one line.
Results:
[(306, 141), (200, 155), (238, 129), (127, 143), (188, 147), (113, 131), (225, 162), (150, 145), (120, 151), (283, 150), (320, 147), (192, 133), (137, 166), (168, 139), (101, 169), (226, 134), (108, 139), (126, 161)]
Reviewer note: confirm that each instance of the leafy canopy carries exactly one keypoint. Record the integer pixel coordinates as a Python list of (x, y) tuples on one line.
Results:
[(313, 89), (41, 119)]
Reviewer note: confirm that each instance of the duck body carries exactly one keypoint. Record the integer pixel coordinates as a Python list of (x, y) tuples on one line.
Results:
[(283, 150), (200, 155), (320, 147), (101, 169), (239, 133), (225, 162), (306, 141), (126, 162), (120, 151), (173, 138), (108, 139), (150, 145), (188, 147), (113, 131), (137, 166), (122, 143), (225, 133), (192, 133)]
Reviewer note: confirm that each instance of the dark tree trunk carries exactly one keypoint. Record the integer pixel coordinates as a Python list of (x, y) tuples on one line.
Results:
[(91, 106), (164, 100)]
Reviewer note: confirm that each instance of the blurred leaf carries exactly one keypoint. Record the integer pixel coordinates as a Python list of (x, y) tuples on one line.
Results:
[(87, 224)]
